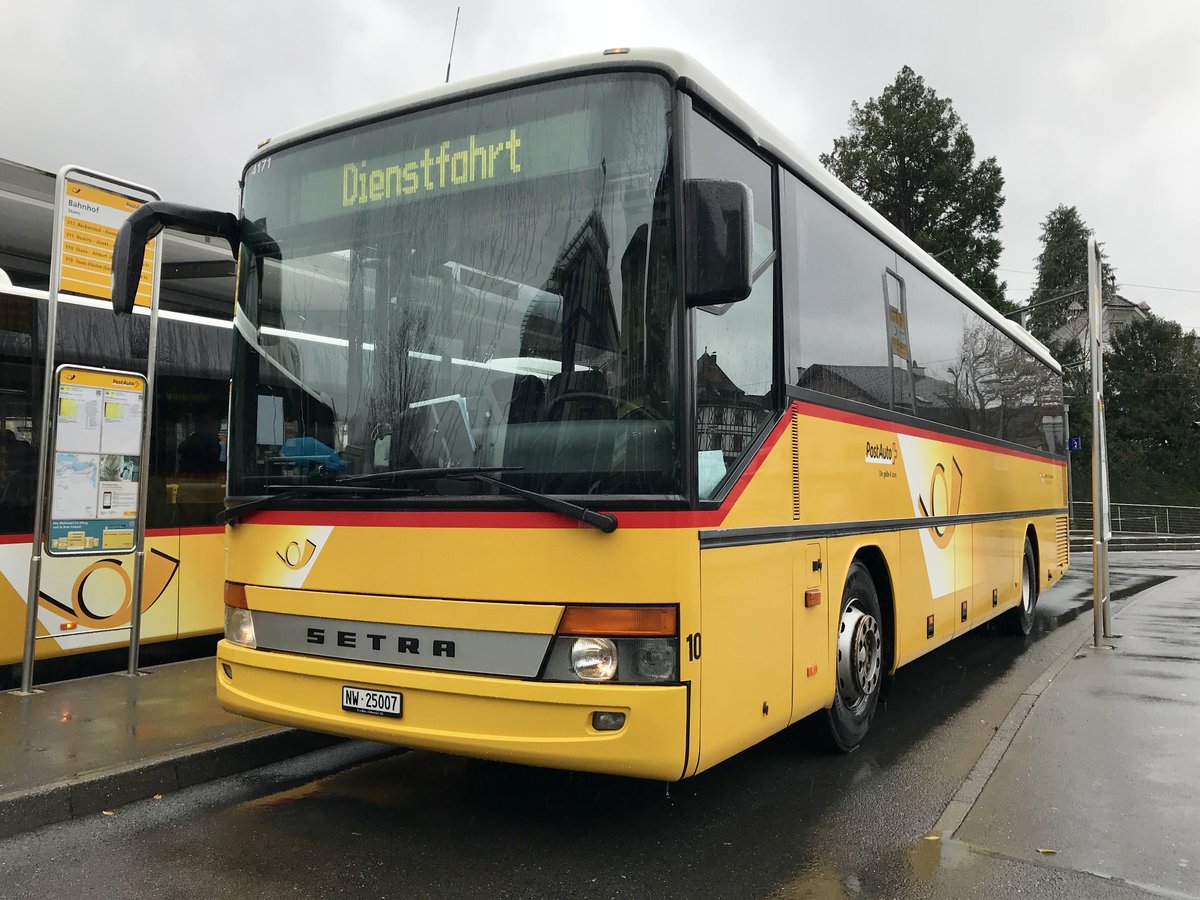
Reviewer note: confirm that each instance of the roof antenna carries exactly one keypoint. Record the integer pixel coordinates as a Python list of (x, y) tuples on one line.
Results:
[(457, 10)]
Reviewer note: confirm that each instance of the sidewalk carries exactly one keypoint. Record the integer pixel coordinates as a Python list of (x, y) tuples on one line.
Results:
[(89, 745), (1102, 771)]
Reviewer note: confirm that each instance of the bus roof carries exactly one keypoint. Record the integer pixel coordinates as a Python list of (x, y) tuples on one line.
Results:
[(695, 79)]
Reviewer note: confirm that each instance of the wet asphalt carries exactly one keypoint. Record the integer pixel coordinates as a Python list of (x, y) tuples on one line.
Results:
[(783, 820)]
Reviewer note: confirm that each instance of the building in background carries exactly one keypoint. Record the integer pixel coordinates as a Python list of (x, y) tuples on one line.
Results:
[(1119, 313)]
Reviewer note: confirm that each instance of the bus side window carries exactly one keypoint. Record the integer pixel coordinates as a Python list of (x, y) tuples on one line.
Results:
[(838, 343), (736, 392), (18, 458)]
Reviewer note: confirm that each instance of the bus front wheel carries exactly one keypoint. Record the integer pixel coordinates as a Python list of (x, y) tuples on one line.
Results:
[(859, 661)]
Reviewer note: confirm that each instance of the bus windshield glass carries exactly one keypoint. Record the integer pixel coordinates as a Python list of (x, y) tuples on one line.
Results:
[(487, 283)]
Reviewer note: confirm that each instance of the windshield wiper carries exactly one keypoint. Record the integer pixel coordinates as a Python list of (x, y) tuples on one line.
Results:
[(353, 485), (350, 485), (291, 492), (606, 522)]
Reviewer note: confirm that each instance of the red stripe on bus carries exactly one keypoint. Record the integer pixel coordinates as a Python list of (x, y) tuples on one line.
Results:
[(630, 518), (837, 415), (27, 537), (667, 518)]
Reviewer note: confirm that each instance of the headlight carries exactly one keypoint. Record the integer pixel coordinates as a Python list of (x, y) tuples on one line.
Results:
[(594, 659), (615, 645), (239, 627), (654, 660)]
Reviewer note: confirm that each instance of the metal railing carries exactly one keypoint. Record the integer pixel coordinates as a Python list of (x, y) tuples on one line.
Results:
[(1140, 518)]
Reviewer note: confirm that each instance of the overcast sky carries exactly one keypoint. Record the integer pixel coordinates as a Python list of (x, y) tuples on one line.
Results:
[(1094, 104)]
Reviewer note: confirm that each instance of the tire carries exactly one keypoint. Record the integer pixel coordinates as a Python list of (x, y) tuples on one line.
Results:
[(1019, 619), (860, 661)]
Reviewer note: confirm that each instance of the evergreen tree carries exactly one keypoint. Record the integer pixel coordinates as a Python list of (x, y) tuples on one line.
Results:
[(910, 156), (1152, 383), (1062, 271)]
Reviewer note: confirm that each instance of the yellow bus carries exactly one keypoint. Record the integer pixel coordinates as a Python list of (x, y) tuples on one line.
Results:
[(85, 604), (580, 420)]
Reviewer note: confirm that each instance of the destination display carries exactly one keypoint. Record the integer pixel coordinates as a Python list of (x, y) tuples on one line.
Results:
[(429, 157), (91, 217), (96, 461)]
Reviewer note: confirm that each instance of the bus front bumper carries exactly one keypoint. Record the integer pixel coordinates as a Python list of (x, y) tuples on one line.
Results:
[(527, 722)]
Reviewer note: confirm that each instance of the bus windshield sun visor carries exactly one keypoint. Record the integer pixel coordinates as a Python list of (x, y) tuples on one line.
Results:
[(144, 225)]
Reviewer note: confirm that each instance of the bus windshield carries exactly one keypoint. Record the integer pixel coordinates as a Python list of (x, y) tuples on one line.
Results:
[(488, 283)]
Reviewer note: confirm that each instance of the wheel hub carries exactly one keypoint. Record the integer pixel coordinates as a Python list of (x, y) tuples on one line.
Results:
[(860, 655), (1026, 590)]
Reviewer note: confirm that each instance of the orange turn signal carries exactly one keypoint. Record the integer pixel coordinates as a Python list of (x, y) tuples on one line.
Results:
[(235, 595), (68, 626), (812, 597), (619, 621)]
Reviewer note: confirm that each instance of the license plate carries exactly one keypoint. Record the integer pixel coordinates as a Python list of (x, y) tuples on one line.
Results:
[(373, 703)]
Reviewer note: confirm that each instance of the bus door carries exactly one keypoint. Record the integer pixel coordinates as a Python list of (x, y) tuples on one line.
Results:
[(811, 600), (187, 492), (746, 618)]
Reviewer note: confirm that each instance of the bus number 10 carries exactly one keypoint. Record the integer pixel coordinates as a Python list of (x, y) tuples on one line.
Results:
[(693, 642)]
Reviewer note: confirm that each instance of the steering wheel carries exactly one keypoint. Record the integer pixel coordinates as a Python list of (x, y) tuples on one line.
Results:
[(634, 411), (573, 396), (624, 409)]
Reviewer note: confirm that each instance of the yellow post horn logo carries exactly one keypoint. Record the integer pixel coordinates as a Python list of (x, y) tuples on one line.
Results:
[(295, 556), (157, 572), (943, 502)]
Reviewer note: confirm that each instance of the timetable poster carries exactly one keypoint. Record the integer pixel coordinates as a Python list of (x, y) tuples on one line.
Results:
[(97, 462), (91, 219)]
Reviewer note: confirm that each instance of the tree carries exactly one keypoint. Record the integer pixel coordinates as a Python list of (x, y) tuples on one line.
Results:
[(1152, 397), (1062, 269), (1152, 379), (910, 156)]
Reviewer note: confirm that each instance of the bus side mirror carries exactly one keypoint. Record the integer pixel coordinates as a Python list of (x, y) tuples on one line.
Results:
[(143, 226), (717, 217)]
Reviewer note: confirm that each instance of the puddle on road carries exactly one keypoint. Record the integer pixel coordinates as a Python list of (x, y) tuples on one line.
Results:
[(283, 798), (934, 854), (820, 882)]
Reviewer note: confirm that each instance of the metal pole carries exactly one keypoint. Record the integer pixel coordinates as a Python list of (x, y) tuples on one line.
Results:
[(1099, 482), (46, 445), (42, 500), (1067, 438), (139, 559), (1108, 632)]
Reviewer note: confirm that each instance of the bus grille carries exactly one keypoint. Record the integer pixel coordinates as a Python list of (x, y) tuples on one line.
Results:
[(1062, 542)]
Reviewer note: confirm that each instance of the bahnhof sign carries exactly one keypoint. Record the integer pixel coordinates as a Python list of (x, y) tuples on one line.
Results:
[(197, 273)]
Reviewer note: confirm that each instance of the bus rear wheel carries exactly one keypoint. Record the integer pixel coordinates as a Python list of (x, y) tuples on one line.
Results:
[(860, 663), (1019, 619)]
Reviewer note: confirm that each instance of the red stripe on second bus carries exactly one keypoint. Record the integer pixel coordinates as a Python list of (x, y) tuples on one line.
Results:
[(27, 537)]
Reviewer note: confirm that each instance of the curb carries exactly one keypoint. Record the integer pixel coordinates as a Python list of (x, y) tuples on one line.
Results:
[(969, 791), (973, 785), (90, 793)]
